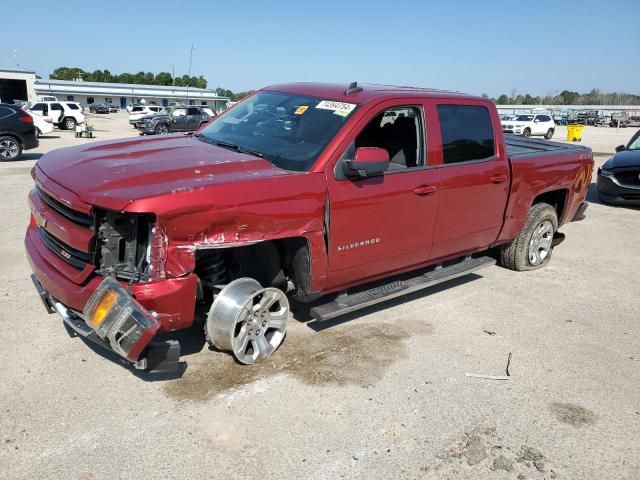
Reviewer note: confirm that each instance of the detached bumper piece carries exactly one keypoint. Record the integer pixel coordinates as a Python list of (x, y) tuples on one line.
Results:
[(114, 320)]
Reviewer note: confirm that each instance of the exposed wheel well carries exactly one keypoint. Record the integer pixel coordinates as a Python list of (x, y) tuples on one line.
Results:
[(272, 263), (556, 198)]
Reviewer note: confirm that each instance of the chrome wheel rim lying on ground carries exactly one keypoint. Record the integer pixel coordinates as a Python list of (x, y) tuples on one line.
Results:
[(248, 320), (8, 149), (540, 243)]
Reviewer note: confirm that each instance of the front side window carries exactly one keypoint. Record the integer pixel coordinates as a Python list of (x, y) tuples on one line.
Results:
[(524, 118), (179, 112), (467, 133), (287, 129), (399, 131)]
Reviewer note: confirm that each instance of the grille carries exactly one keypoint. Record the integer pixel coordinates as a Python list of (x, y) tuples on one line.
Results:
[(629, 177), (73, 257), (76, 217)]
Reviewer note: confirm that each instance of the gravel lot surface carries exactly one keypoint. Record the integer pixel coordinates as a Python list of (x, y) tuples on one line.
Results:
[(381, 394)]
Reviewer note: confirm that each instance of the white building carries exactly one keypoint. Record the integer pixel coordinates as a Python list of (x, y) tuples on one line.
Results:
[(23, 85)]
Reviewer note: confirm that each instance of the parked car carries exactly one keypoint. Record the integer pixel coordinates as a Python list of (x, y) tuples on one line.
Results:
[(619, 177), (65, 115), (17, 132), (589, 117), (531, 125), (140, 111), (44, 125), (625, 119), (507, 118), (98, 108), (298, 191), (113, 108), (173, 119)]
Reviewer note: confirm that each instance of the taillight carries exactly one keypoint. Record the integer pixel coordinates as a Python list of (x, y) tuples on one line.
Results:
[(24, 117)]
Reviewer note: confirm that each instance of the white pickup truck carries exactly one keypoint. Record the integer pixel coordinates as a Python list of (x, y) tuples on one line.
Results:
[(530, 125)]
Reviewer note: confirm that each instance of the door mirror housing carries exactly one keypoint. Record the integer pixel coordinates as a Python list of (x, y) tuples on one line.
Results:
[(620, 148), (367, 162)]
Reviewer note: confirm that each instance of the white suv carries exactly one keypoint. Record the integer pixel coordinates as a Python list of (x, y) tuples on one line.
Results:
[(140, 111), (530, 124), (65, 115)]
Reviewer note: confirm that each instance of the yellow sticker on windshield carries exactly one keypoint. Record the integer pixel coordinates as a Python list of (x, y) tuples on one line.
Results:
[(301, 109)]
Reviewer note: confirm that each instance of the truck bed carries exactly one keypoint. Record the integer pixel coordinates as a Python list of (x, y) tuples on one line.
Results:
[(519, 146)]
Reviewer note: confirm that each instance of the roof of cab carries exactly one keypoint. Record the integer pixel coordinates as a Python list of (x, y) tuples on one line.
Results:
[(335, 91)]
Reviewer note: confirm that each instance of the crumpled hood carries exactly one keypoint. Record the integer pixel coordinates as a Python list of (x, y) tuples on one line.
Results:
[(111, 174), (625, 158)]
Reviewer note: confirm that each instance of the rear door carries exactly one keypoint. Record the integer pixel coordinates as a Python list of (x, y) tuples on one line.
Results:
[(474, 178), (383, 224), (193, 118), (56, 111)]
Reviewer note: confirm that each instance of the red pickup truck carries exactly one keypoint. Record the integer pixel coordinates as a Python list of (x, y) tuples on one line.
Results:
[(299, 191)]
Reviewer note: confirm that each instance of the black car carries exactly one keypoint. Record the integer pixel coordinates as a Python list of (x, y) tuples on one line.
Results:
[(17, 132), (173, 119), (619, 177), (98, 108)]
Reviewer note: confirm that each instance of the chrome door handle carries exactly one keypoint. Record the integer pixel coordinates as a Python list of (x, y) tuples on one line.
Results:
[(423, 190)]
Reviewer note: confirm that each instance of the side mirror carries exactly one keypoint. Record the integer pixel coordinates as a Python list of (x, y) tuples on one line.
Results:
[(368, 162), (620, 148)]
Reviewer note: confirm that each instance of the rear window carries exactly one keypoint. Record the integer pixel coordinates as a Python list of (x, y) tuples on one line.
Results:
[(72, 106), (5, 112), (467, 133)]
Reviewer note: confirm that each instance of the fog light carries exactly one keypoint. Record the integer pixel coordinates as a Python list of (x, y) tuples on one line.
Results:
[(119, 319)]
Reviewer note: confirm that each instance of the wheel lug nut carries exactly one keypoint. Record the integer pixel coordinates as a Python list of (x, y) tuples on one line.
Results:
[(258, 331), (250, 331), (264, 324)]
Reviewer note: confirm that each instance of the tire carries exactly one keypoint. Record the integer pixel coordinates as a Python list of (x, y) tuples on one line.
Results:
[(527, 132), (10, 148), (38, 132), (517, 255), (202, 125), (161, 129), (69, 123), (549, 134)]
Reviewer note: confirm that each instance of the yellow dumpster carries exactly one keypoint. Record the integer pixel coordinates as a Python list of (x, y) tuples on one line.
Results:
[(574, 133)]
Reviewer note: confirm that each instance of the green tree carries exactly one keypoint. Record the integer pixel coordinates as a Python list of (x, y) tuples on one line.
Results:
[(67, 73), (503, 100), (568, 97), (163, 78)]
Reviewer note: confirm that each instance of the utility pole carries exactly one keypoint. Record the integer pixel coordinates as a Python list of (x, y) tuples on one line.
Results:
[(173, 76), (189, 74), (15, 54)]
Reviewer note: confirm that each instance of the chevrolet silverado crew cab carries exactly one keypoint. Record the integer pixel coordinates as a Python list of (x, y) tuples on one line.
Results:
[(345, 196)]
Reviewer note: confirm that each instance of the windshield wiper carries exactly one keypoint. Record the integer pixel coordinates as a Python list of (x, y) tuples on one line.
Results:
[(239, 148)]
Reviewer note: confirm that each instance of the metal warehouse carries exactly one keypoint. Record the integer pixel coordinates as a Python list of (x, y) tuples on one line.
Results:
[(23, 85)]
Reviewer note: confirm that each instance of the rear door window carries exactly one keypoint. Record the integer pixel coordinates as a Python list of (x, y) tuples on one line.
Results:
[(38, 107), (193, 111), (467, 133), (72, 106), (56, 106)]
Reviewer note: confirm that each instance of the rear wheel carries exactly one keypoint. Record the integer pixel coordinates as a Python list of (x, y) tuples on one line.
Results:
[(527, 132), (549, 134), (532, 248), (69, 123), (10, 148)]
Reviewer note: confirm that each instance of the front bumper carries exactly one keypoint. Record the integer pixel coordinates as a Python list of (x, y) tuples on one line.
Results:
[(144, 128), (610, 191), (156, 357)]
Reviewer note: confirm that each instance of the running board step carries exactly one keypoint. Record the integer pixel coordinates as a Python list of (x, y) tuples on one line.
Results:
[(346, 303)]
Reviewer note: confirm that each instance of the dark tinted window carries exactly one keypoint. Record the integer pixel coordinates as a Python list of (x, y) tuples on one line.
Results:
[(56, 106), (72, 106), (467, 133), (5, 112), (193, 111), (544, 118), (38, 107)]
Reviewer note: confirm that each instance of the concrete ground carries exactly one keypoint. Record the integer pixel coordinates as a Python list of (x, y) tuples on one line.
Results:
[(381, 394)]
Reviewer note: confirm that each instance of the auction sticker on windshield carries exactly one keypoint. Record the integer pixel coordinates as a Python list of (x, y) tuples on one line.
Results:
[(339, 108)]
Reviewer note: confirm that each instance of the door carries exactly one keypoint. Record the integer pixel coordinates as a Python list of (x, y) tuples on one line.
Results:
[(123, 103), (382, 224), (194, 116), (474, 180), (179, 119), (56, 112)]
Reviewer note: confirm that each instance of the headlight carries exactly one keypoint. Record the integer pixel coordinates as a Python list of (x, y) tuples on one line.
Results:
[(119, 319), (605, 173)]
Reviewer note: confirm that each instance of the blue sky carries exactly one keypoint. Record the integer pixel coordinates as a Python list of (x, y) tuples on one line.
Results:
[(492, 47)]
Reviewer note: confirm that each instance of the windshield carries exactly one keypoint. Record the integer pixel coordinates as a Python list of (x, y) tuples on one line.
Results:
[(524, 118), (286, 129), (634, 144)]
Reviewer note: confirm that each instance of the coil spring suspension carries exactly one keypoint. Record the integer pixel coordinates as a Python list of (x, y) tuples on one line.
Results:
[(212, 270)]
